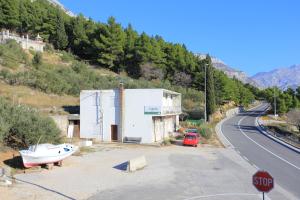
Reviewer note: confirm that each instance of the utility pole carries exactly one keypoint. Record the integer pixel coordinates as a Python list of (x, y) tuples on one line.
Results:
[(205, 111), (275, 115)]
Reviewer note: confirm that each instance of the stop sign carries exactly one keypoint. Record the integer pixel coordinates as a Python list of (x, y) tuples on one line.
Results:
[(263, 181)]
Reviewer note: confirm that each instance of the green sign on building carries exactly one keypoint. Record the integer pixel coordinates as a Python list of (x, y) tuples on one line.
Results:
[(152, 110)]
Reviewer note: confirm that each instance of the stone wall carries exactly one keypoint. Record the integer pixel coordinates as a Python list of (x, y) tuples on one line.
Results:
[(62, 123), (25, 42)]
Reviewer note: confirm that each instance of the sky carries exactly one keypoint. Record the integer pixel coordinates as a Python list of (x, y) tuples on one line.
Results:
[(250, 35)]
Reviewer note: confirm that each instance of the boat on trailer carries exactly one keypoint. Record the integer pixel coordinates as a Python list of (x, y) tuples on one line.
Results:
[(46, 153)]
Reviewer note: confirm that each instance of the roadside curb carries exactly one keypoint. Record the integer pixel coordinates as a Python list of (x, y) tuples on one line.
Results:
[(262, 129), (219, 132)]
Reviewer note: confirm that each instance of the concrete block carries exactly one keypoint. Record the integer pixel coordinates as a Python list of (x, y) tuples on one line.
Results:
[(136, 164), (86, 143)]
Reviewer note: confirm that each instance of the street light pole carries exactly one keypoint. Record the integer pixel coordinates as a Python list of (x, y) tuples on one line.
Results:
[(275, 115), (205, 111)]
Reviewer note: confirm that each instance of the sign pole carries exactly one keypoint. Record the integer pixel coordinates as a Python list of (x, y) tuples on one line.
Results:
[(263, 196)]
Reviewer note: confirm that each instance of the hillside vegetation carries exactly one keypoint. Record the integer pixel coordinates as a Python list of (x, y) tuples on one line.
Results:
[(101, 55), (21, 126), (122, 50)]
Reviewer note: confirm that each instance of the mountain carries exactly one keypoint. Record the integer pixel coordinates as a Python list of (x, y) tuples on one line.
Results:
[(231, 72), (281, 77), (61, 6)]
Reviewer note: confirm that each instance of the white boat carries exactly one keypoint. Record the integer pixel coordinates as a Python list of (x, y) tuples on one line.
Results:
[(46, 153)]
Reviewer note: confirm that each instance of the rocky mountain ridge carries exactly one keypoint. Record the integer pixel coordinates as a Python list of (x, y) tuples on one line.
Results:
[(282, 77)]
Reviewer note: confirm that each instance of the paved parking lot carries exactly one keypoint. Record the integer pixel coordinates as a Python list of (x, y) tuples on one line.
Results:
[(173, 172)]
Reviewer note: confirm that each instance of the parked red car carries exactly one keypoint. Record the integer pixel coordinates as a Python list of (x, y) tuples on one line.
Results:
[(191, 139)]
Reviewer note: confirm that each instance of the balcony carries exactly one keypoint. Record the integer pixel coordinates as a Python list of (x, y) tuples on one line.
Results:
[(168, 110)]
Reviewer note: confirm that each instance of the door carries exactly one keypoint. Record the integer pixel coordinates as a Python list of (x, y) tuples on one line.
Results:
[(114, 133)]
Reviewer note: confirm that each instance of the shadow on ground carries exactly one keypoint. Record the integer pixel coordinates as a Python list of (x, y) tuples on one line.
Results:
[(122, 166), (15, 162), (47, 189)]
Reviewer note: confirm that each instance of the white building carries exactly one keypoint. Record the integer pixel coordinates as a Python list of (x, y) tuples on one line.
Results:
[(149, 115), (25, 42)]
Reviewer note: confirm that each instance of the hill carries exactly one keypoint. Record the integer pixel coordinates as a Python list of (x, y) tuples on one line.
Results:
[(230, 72), (110, 46), (283, 78)]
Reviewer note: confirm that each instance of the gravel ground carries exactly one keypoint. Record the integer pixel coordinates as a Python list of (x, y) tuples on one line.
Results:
[(173, 172)]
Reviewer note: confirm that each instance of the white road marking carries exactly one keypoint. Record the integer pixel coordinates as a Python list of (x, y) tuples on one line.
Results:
[(224, 135), (255, 166), (246, 158), (224, 194), (291, 164)]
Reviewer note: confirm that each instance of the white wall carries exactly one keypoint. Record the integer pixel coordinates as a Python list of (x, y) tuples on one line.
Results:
[(136, 123), (110, 105), (91, 111), (89, 126)]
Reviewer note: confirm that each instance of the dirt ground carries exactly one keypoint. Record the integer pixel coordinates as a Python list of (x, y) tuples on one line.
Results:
[(172, 172)]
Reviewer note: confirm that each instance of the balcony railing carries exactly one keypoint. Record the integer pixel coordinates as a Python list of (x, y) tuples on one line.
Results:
[(171, 110)]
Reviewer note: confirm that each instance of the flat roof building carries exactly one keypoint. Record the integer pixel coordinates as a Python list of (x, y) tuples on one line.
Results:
[(146, 115)]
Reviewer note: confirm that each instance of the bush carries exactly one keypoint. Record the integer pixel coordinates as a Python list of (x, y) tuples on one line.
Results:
[(67, 57), (21, 126), (37, 59), (12, 54), (205, 132)]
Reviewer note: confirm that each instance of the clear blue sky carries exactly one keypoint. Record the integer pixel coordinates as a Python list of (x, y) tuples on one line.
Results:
[(250, 35)]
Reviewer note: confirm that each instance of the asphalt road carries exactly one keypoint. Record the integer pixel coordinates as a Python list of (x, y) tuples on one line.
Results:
[(264, 153)]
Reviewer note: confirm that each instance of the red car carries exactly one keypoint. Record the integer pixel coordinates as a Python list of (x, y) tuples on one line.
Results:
[(191, 139)]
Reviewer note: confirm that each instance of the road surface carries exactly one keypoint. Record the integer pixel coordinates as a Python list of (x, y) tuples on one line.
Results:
[(262, 152)]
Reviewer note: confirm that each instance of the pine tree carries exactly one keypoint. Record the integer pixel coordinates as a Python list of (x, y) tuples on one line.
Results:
[(281, 105), (78, 38), (210, 88), (9, 14), (296, 103), (130, 64), (110, 45), (60, 38)]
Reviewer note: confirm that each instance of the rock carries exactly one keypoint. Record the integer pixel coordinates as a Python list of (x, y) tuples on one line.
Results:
[(1, 172), (7, 171), (5, 181)]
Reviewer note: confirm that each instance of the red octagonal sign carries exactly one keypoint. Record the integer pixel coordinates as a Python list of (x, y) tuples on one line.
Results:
[(263, 181)]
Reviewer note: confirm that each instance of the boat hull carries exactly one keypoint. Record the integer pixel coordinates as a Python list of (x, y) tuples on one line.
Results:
[(46, 155)]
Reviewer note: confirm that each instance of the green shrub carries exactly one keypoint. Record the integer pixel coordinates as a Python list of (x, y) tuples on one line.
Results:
[(12, 55), (21, 126), (67, 57), (49, 48), (37, 59), (206, 132)]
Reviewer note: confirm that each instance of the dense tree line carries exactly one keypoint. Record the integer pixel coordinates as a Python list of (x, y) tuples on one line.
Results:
[(285, 100), (120, 49)]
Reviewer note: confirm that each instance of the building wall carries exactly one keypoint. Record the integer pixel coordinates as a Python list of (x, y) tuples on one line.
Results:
[(62, 123), (137, 123), (111, 116), (99, 109)]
